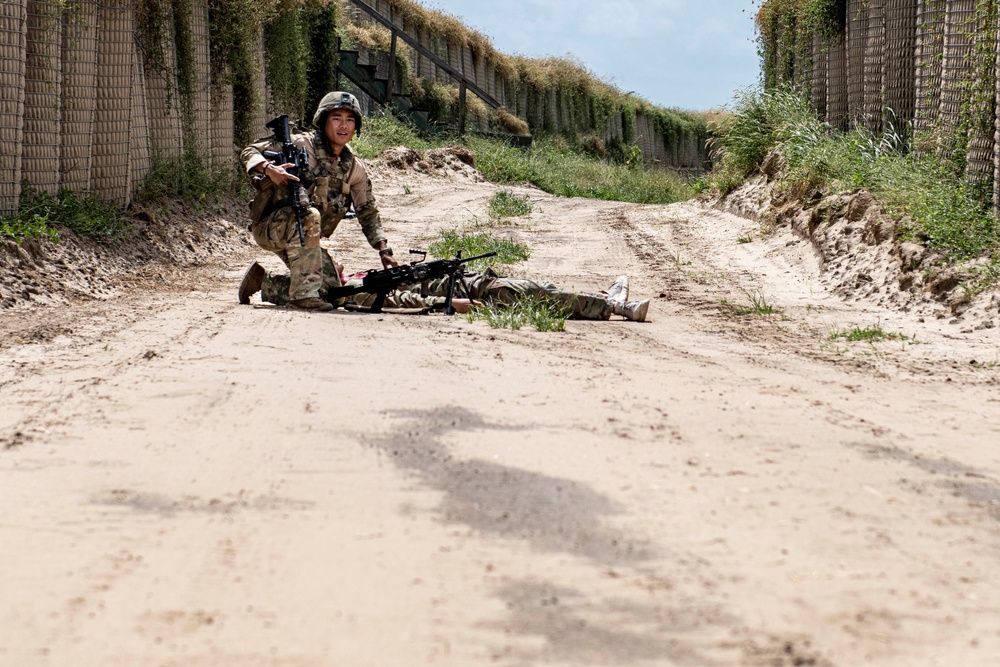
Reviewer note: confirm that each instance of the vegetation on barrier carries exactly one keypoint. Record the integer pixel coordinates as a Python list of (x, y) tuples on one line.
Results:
[(39, 215), (785, 31), (929, 193), (185, 177), (788, 30), (234, 30), (560, 95)]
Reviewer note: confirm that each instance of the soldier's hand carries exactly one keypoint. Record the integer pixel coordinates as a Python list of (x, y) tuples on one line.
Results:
[(388, 261), (278, 173)]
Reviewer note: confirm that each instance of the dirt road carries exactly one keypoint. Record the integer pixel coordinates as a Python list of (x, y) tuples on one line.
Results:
[(190, 482)]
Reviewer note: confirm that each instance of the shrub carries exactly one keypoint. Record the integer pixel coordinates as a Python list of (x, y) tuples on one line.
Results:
[(38, 212), (929, 192)]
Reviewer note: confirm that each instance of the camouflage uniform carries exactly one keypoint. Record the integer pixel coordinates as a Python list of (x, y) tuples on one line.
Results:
[(333, 184), (487, 287)]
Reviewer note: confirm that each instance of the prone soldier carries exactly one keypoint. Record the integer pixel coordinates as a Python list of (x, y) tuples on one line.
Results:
[(487, 287)]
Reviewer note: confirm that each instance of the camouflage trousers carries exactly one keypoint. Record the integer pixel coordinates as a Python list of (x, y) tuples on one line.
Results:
[(276, 287), (491, 288), (278, 233)]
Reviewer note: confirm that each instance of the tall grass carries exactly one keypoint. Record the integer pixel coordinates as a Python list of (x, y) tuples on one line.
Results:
[(39, 214), (928, 192), (552, 164), (382, 131), (504, 203), (542, 313), (451, 242)]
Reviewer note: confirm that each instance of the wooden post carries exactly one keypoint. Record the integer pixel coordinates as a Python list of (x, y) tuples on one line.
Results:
[(461, 107), (392, 69), (336, 64)]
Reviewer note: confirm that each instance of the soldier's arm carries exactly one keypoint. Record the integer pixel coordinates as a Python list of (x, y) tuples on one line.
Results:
[(365, 207), (252, 158)]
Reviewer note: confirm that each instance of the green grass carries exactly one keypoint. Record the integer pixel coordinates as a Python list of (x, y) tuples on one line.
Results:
[(551, 163), (477, 243), (20, 227), (756, 305), (505, 204), (187, 177), (558, 169), (872, 334), (39, 214), (541, 313), (382, 132), (941, 210), (983, 277)]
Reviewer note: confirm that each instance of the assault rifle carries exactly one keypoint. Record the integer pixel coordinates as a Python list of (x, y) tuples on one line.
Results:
[(291, 155), (383, 281)]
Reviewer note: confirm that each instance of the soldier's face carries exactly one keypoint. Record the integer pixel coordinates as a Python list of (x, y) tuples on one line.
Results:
[(340, 128)]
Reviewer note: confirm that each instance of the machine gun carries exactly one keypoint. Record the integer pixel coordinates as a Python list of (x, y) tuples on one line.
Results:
[(291, 155), (383, 281)]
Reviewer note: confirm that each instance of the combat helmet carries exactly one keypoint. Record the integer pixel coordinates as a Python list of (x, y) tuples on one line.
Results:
[(337, 100)]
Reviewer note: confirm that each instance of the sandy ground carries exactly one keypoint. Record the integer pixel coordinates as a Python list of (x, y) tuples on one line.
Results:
[(190, 482)]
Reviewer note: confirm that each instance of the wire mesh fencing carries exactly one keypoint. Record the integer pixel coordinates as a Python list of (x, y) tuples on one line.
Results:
[(113, 109), (13, 51), (43, 92)]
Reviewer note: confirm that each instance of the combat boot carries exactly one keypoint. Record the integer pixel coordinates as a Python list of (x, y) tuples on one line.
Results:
[(631, 310), (252, 280), (619, 290), (311, 303)]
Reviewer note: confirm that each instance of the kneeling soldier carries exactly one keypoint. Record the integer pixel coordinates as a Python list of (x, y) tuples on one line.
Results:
[(335, 180)]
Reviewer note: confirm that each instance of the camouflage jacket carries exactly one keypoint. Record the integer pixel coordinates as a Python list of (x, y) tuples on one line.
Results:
[(334, 184)]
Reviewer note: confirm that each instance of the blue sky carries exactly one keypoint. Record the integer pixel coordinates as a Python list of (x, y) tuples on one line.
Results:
[(687, 54)]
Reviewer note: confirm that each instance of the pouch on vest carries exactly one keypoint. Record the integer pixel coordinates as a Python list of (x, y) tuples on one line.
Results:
[(262, 204), (321, 192)]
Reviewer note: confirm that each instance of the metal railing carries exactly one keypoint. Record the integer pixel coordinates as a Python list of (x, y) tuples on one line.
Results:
[(464, 83)]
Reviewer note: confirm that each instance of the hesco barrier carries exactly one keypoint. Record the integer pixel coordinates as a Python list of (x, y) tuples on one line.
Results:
[(551, 102), (84, 110), (13, 39), (98, 91), (43, 91), (926, 64)]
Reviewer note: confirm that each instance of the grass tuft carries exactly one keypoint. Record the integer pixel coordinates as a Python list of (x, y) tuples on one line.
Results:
[(39, 213), (453, 241), (872, 334), (757, 305), (505, 204), (539, 312)]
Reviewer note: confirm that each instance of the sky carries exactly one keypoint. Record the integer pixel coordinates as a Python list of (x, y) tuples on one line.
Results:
[(685, 54)]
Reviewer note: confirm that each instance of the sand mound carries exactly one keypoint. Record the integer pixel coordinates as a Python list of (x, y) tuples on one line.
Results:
[(863, 256)]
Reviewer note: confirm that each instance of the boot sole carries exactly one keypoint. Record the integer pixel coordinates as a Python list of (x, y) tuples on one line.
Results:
[(250, 285)]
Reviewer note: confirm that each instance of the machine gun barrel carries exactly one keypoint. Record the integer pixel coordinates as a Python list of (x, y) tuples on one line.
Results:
[(382, 282)]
